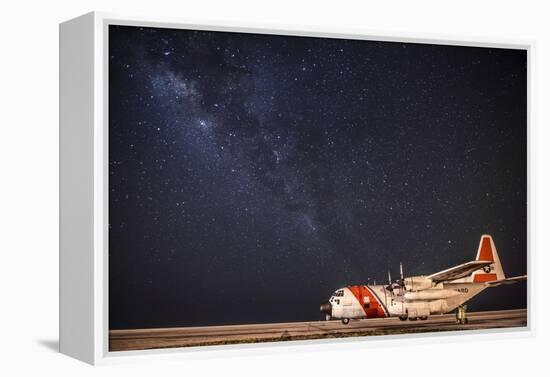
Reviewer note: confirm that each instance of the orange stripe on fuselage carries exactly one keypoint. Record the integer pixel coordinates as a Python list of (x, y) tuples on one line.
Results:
[(374, 310), (486, 252), (482, 278)]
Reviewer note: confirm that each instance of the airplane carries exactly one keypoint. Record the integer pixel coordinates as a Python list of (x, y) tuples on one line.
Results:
[(418, 297)]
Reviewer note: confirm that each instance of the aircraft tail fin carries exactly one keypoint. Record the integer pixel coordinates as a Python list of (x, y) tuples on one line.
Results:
[(488, 252)]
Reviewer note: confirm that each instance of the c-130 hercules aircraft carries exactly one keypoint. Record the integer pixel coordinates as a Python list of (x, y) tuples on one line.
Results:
[(418, 297)]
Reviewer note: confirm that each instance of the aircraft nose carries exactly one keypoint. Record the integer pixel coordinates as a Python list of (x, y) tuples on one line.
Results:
[(326, 308)]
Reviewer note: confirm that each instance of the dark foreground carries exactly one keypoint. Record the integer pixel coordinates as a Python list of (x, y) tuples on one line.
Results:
[(140, 339)]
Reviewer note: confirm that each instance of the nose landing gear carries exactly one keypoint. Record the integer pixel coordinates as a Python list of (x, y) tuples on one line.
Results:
[(345, 321)]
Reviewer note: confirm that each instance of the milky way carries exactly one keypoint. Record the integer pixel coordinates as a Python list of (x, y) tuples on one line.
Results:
[(252, 175)]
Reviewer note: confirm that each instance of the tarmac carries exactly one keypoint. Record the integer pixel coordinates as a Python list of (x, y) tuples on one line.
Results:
[(140, 339)]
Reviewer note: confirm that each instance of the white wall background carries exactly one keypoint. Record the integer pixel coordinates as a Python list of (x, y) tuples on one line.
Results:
[(29, 185)]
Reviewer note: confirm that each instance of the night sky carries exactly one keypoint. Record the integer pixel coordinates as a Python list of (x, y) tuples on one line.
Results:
[(252, 175)]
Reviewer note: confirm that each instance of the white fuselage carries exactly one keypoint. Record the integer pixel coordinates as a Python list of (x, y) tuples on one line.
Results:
[(376, 301)]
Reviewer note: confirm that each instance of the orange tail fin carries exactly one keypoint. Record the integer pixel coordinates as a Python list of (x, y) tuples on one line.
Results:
[(488, 252)]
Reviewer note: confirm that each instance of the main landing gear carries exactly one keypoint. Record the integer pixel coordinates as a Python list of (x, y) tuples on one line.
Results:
[(461, 315)]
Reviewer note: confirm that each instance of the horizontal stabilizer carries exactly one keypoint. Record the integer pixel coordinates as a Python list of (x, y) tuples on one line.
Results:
[(513, 280)]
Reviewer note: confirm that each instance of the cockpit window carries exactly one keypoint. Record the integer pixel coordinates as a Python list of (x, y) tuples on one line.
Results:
[(339, 293)]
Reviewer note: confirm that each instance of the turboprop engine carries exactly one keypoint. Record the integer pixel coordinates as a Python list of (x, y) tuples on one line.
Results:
[(418, 283)]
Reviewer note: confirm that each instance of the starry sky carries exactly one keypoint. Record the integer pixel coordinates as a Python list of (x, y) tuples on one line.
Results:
[(251, 175)]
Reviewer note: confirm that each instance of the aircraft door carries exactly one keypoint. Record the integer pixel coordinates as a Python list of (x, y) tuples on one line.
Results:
[(347, 307)]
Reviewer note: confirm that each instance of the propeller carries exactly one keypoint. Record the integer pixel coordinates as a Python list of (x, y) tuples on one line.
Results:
[(389, 287), (401, 278), (402, 287)]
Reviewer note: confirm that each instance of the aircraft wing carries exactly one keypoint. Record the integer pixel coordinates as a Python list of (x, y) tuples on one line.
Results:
[(460, 271), (513, 280)]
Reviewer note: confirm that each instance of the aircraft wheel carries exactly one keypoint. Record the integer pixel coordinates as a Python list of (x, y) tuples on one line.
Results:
[(345, 321), (412, 318), (403, 317), (425, 317)]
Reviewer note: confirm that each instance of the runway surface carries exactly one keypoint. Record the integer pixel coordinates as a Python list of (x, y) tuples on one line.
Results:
[(139, 339)]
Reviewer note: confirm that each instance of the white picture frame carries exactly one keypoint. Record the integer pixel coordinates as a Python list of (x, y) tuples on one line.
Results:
[(84, 330)]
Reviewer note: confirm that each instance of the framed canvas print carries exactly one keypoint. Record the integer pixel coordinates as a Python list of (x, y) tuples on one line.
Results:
[(224, 186)]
